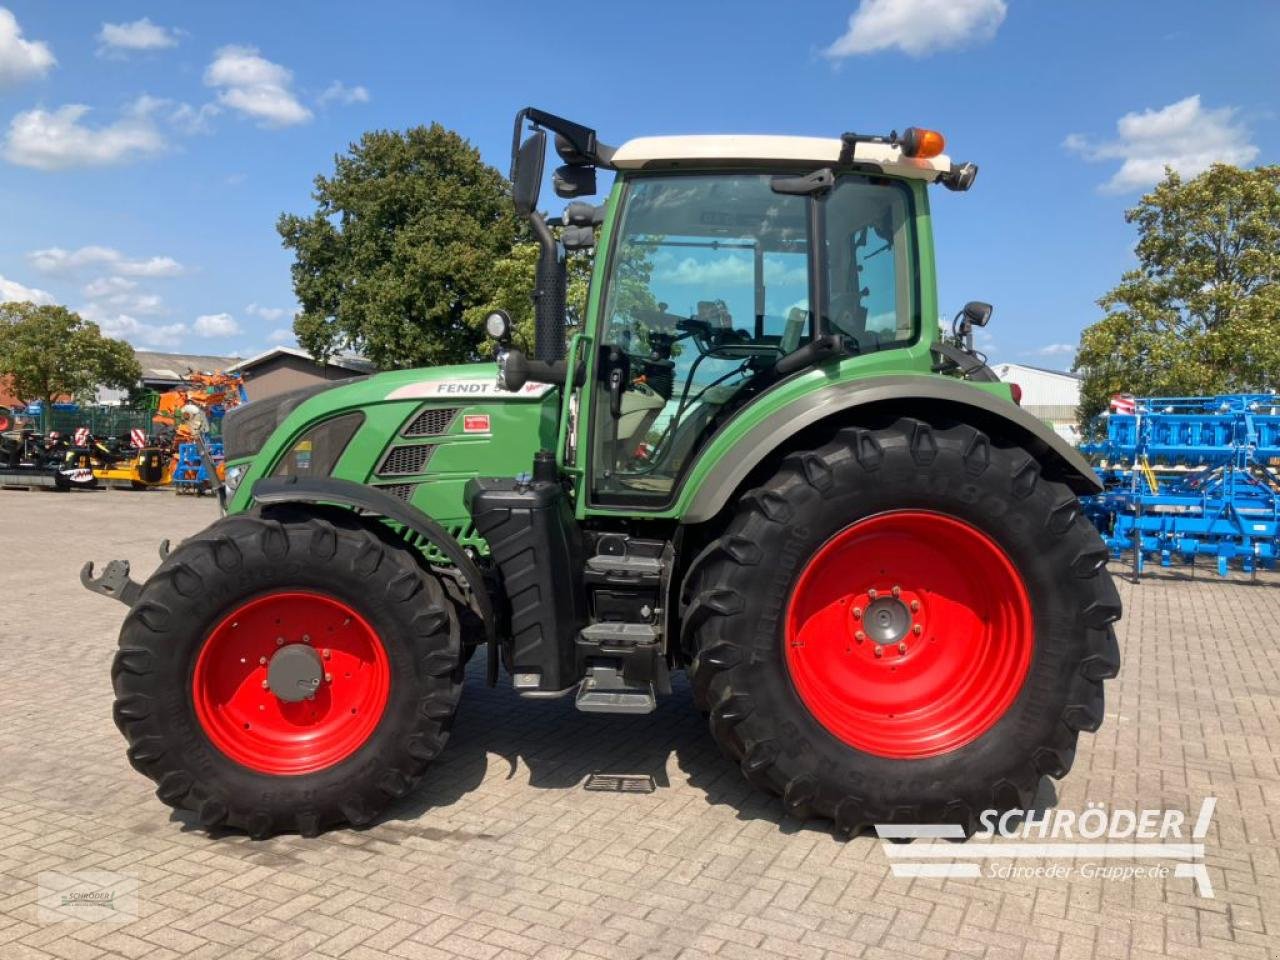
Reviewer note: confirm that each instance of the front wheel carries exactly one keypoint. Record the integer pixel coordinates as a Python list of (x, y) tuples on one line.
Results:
[(287, 672), (908, 624)]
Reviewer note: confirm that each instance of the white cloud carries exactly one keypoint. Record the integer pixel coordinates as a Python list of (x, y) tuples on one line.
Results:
[(118, 38), (1184, 135), (121, 293), (216, 325), (20, 59), (181, 116), (339, 92), (58, 260), (283, 336), (266, 313), (918, 27), (122, 326), (57, 140), (255, 86), (1057, 349), (12, 290)]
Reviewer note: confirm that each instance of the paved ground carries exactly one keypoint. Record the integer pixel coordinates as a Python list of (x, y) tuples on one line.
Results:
[(503, 854)]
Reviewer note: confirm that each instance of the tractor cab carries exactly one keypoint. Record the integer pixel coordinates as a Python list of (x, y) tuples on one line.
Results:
[(728, 264)]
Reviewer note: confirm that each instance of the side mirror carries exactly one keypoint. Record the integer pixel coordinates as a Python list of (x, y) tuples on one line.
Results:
[(526, 179), (977, 313), (569, 182)]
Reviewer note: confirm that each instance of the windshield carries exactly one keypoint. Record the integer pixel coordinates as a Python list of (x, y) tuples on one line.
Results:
[(708, 287)]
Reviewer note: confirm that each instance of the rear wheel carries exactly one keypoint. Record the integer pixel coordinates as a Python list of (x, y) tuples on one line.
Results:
[(287, 672), (908, 624)]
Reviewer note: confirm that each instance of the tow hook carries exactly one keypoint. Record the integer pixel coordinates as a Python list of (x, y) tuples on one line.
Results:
[(114, 582)]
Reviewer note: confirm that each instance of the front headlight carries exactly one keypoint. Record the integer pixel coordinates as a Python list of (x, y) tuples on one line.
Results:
[(234, 476)]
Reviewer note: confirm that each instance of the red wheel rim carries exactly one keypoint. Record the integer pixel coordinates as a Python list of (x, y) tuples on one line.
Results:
[(250, 723), (909, 634)]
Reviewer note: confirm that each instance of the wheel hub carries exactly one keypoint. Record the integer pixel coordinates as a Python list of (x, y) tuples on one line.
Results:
[(295, 672), (887, 620)]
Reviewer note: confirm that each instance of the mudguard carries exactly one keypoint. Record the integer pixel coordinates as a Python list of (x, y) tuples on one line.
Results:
[(374, 502), (904, 392)]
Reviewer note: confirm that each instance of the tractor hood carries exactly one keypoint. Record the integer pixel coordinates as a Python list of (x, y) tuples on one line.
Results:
[(246, 428), (419, 434)]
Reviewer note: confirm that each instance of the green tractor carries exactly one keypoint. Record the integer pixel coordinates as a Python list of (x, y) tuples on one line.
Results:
[(757, 460)]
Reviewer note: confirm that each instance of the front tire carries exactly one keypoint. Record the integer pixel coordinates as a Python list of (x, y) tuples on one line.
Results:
[(908, 624), (287, 672)]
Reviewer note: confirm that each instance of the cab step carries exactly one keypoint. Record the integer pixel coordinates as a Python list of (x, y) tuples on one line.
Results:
[(604, 690)]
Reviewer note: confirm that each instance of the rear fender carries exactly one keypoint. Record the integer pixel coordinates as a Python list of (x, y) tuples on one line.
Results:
[(847, 403)]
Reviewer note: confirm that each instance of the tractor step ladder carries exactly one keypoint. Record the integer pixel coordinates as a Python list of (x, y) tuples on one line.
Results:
[(604, 690)]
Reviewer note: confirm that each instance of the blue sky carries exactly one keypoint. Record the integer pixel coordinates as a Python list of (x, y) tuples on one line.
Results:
[(148, 147)]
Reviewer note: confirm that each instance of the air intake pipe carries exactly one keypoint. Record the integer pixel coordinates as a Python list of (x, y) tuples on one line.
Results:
[(548, 294)]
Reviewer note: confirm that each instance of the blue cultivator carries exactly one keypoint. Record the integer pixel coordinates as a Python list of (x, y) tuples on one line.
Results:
[(1190, 477)]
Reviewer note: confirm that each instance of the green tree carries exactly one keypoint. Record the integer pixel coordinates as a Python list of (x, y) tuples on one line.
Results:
[(49, 352), (513, 277), (411, 231), (1201, 312)]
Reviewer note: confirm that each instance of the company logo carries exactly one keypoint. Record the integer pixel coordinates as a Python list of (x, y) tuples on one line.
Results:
[(465, 388), (94, 896), (1114, 845)]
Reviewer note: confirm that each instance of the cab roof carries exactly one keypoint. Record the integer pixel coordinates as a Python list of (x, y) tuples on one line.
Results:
[(685, 152)]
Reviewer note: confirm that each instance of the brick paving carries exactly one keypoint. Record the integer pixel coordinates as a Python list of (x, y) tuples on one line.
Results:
[(502, 854)]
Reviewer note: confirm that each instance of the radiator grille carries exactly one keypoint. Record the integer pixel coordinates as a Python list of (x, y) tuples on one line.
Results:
[(431, 422), (406, 459)]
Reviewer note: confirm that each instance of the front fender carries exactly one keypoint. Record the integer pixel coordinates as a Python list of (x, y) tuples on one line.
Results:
[(374, 502), (902, 392)]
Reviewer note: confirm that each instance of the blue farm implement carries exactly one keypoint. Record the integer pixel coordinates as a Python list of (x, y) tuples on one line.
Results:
[(197, 471), (1190, 477)]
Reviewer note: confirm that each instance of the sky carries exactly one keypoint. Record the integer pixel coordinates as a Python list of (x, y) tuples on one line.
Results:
[(147, 148)]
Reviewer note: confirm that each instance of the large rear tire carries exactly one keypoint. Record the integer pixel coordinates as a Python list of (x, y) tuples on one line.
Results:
[(909, 624), (287, 672)]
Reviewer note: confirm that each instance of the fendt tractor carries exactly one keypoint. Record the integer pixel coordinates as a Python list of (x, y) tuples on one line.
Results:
[(757, 459)]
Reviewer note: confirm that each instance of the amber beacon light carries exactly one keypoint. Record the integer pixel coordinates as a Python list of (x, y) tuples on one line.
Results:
[(921, 143)]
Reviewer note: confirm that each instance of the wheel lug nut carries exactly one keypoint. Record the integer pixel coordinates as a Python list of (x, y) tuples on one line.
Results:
[(897, 590), (328, 678), (879, 650), (902, 648), (857, 613), (872, 594), (265, 685), (306, 638), (262, 661), (326, 653), (915, 605), (859, 636), (279, 641), (917, 629)]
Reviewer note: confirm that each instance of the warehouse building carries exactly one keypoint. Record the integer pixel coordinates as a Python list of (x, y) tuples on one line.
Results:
[(287, 368), (1049, 395)]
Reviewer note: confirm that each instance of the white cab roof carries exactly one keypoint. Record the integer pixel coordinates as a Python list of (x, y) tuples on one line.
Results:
[(701, 151)]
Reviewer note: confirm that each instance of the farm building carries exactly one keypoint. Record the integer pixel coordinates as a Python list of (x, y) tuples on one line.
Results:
[(1050, 395), (287, 368)]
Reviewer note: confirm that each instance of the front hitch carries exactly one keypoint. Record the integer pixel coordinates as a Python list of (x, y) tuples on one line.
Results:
[(114, 582)]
